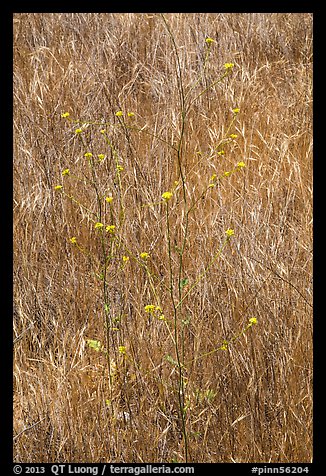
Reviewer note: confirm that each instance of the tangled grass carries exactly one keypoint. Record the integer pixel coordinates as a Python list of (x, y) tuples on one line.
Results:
[(251, 401)]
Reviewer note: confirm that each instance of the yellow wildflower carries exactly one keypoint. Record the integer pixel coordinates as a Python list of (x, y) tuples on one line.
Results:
[(125, 259), (88, 154), (119, 113), (65, 114), (227, 174), (150, 308), (209, 41), (229, 232), (73, 240), (66, 172), (144, 255), (241, 165), (119, 168), (109, 199), (236, 110), (58, 187), (131, 114), (233, 136), (228, 65), (122, 349), (102, 131), (253, 320), (110, 228), (94, 344), (101, 156), (167, 195), (224, 345), (78, 131), (99, 225)]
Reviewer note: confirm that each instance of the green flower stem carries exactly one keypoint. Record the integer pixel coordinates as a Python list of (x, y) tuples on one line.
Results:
[(73, 199), (106, 301), (201, 75), (142, 129), (200, 277), (115, 155), (206, 89), (176, 340), (224, 346)]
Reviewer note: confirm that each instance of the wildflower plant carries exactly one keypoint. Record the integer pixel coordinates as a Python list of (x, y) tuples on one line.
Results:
[(116, 255)]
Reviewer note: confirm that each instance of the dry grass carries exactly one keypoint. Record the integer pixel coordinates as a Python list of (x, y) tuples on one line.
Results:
[(252, 403)]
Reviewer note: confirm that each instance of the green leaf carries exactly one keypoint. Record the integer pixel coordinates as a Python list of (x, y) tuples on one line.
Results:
[(186, 322), (94, 344), (171, 360), (184, 282), (186, 406)]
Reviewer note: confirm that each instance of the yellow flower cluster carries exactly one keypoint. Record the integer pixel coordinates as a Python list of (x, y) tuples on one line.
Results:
[(225, 345), (155, 310), (240, 165), (110, 228), (167, 195), (150, 308), (120, 114), (212, 181)]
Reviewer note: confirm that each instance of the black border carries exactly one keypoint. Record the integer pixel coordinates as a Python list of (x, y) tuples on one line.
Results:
[(147, 6), (6, 234), (6, 215)]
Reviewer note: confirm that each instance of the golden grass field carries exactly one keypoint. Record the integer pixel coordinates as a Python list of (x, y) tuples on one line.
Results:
[(252, 401)]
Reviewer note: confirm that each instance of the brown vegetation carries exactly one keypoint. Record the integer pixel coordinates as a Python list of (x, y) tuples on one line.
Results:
[(249, 403)]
